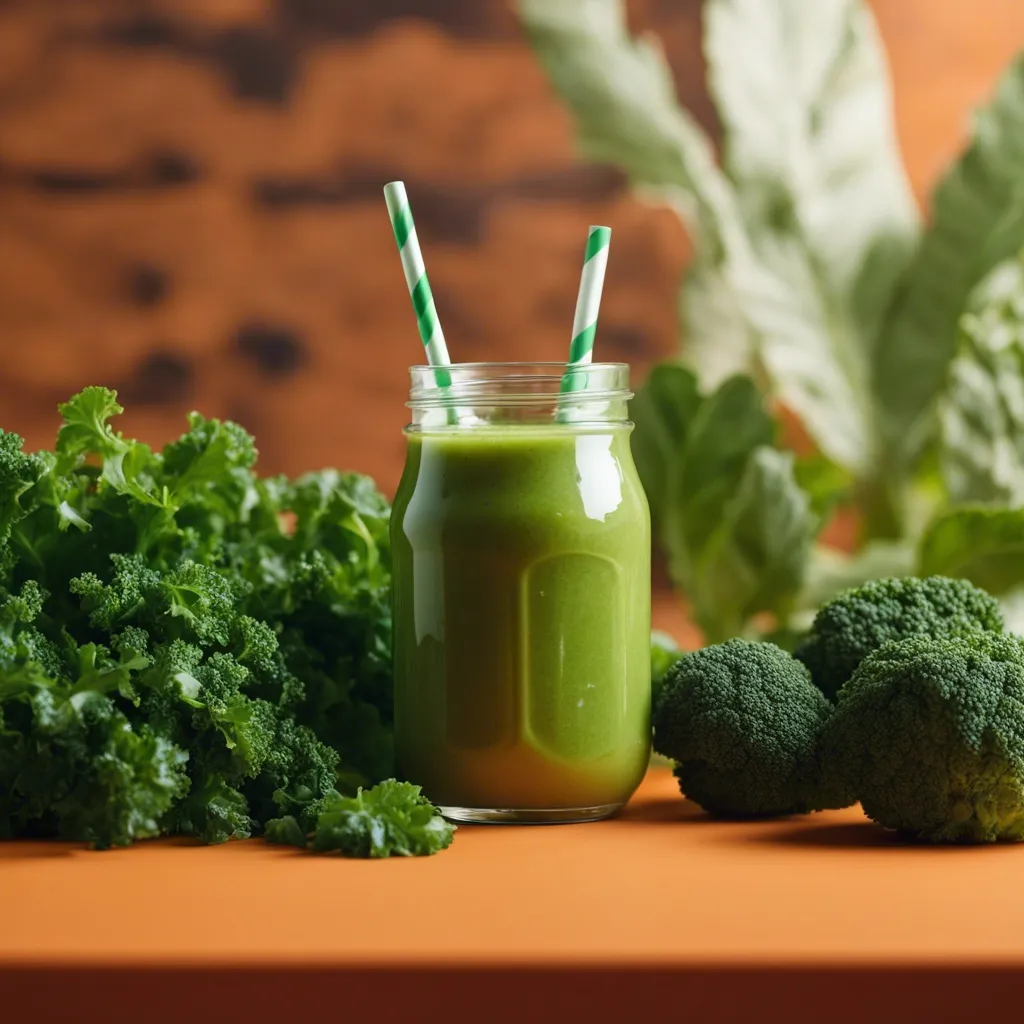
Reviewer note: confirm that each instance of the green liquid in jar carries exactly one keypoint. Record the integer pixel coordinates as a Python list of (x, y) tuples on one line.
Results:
[(522, 617)]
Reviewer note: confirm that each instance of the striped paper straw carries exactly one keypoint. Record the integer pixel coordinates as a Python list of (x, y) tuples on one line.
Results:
[(416, 279), (584, 326)]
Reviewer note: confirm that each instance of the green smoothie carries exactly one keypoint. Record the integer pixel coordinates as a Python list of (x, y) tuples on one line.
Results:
[(522, 618)]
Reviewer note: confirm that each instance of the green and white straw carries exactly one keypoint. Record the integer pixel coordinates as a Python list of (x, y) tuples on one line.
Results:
[(416, 279), (588, 302)]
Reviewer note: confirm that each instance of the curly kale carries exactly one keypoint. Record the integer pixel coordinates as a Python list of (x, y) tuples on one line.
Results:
[(928, 736), (743, 722), (185, 648), (393, 819), (859, 621), (18, 473), (72, 764)]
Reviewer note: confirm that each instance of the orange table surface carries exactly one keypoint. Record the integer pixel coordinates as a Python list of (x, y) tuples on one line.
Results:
[(662, 904)]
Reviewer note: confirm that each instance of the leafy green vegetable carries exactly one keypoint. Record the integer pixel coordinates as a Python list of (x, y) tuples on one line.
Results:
[(831, 572), (285, 831), (968, 210), (813, 283), (393, 819), (984, 545), (726, 505), (810, 149), (756, 558), (982, 410), (665, 652), (184, 647), (761, 295)]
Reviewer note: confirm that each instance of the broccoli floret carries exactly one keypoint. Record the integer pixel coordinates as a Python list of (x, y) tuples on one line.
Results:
[(857, 622), (743, 723), (928, 736)]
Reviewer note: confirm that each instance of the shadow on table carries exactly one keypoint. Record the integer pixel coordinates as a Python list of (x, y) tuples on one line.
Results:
[(839, 835), (31, 849), (856, 834), (660, 812), (795, 831)]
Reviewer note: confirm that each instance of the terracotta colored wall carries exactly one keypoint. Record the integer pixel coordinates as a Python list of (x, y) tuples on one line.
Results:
[(190, 204)]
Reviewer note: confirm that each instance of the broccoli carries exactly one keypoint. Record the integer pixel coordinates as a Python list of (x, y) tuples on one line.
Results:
[(929, 736), (859, 621), (743, 722)]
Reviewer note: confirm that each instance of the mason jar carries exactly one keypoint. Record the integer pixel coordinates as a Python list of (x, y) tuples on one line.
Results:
[(521, 580)]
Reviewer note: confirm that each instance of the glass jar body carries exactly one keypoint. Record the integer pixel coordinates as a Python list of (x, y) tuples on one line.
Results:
[(521, 565)]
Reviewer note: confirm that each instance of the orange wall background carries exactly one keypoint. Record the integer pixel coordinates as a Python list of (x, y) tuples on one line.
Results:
[(191, 209)]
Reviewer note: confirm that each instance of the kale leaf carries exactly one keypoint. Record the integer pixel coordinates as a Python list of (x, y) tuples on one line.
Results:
[(187, 648), (393, 819)]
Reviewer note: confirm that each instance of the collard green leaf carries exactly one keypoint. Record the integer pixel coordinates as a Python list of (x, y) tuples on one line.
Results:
[(968, 234), (803, 94), (981, 414), (809, 145), (734, 524), (726, 428), (755, 301), (984, 545), (809, 348), (719, 341), (661, 413), (620, 90), (830, 571), (756, 557), (825, 483)]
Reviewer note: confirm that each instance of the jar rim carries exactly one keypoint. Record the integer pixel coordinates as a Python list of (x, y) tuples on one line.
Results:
[(527, 391), (516, 363)]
